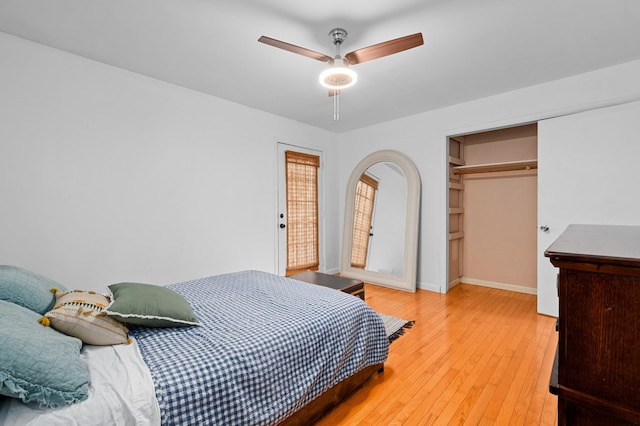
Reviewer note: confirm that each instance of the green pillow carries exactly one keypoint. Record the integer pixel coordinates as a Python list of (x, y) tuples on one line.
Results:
[(149, 305), (39, 364), (28, 289)]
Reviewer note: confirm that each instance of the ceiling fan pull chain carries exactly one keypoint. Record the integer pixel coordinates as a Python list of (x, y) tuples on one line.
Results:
[(336, 106)]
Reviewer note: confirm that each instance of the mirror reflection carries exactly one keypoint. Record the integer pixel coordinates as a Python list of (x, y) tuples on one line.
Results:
[(390, 255), (379, 219)]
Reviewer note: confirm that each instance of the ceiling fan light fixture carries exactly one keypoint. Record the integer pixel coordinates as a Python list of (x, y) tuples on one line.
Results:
[(339, 76)]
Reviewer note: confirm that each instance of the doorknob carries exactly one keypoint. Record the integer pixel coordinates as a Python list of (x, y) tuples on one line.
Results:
[(544, 228)]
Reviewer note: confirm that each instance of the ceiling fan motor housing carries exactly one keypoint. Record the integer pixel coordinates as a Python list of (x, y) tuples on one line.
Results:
[(338, 35)]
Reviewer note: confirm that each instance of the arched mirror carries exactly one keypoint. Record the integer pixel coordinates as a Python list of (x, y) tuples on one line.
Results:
[(380, 237)]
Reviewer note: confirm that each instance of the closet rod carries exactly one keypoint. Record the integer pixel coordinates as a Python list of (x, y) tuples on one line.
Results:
[(497, 167)]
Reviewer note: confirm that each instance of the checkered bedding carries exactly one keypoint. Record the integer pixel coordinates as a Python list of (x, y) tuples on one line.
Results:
[(267, 346)]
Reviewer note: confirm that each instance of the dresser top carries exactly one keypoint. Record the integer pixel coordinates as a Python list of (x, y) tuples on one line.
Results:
[(611, 244)]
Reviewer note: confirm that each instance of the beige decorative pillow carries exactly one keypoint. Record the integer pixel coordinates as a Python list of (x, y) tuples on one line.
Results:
[(80, 314)]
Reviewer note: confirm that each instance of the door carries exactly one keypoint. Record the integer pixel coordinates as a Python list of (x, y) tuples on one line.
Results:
[(299, 209), (588, 174)]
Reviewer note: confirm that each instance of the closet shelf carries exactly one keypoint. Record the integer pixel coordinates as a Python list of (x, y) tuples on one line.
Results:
[(455, 160), (455, 235), (497, 167)]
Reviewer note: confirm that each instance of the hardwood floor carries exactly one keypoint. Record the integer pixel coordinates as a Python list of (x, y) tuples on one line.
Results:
[(476, 356)]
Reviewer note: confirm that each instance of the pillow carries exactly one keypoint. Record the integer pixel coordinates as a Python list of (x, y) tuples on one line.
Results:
[(82, 314), (27, 289), (150, 306), (39, 364)]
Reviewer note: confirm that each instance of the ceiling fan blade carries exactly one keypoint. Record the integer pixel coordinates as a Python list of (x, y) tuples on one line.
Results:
[(295, 49), (384, 49)]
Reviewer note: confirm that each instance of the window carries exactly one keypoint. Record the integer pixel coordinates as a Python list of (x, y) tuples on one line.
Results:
[(362, 217), (302, 211)]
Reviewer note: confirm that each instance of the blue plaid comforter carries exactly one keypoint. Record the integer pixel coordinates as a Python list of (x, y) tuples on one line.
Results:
[(267, 346)]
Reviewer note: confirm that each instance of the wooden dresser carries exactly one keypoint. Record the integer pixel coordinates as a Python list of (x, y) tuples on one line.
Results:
[(597, 368)]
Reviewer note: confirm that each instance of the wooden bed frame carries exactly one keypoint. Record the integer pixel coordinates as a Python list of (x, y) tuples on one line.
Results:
[(317, 408)]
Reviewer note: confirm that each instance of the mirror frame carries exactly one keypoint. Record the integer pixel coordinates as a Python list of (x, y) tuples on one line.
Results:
[(406, 281)]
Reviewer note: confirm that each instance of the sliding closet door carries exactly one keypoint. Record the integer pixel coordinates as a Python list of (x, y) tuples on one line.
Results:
[(588, 174)]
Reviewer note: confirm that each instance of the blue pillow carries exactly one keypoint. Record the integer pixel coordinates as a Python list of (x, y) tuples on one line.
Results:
[(39, 364), (28, 289)]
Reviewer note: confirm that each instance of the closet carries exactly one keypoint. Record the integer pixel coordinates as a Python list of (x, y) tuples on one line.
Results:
[(493, 209)]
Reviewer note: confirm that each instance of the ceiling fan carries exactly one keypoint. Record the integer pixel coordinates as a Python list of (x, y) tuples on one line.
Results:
[(339, 76)]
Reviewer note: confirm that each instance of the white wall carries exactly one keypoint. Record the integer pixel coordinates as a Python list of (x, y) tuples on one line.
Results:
[(423, 137), (107, 175)]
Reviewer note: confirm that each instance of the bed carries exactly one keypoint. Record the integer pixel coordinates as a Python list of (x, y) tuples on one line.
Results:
[(269, 350)]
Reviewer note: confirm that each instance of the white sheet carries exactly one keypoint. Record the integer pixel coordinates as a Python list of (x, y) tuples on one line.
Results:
[(121, 393)]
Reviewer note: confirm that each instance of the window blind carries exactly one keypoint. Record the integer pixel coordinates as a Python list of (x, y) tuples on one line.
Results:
[(362, 216), (302, 211)]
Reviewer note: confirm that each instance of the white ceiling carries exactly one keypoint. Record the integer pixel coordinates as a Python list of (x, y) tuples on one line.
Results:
[(473, 48)]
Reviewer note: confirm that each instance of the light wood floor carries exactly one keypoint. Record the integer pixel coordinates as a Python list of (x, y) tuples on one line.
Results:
[(476, 356)]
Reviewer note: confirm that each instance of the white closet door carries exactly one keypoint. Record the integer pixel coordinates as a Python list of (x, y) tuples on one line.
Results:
[(588, 173)]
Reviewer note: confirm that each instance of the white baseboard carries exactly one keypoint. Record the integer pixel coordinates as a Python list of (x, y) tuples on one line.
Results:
[(501, 286), (454, 283), (429, 287)]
